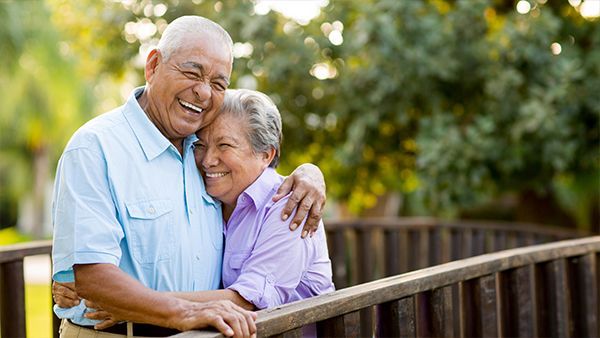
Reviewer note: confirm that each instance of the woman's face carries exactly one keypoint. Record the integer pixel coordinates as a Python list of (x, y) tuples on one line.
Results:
[(226, 160)]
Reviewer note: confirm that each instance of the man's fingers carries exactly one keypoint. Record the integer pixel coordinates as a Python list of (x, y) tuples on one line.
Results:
[(220, 324), (283, 190), (105, 324), (290, 205), (301, 212), (62, 290), (98, 315), (312, 222)]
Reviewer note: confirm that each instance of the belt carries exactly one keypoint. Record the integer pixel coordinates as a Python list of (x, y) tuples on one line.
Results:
[(144, 330)]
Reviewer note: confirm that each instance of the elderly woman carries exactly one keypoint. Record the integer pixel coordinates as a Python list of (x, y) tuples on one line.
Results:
[(264, 263), (238, 161)]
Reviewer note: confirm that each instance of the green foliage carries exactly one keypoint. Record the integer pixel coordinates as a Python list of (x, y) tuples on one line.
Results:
[(42, 98), (449, 102)]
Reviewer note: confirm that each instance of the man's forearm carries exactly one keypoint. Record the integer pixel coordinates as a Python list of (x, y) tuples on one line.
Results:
[(205, 296), (125, 297)]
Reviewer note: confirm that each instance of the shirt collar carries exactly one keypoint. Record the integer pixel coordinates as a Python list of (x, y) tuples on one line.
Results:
[(259, 192), (152, 141)]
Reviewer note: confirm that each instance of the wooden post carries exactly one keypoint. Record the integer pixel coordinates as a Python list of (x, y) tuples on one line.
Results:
[(585, 296), (347, 325), (397, 318), (12, 299), (488, 306)]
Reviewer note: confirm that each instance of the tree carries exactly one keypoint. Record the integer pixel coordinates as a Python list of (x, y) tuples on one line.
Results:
[(450, 103), (43, 102)]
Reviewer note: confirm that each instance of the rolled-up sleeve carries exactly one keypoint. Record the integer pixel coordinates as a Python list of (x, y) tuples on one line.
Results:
[(86, 229), (271, 272)]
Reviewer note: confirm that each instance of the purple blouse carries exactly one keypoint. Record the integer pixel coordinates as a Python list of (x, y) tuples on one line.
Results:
[(265, 262)]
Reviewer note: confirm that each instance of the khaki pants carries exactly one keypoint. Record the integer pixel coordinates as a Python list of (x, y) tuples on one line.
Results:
[(70, 330)]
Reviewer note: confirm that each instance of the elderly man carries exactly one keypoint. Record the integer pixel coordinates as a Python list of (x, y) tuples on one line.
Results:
[(131, 214)]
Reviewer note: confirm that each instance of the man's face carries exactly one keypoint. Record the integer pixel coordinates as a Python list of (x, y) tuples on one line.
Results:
[(186, 91)]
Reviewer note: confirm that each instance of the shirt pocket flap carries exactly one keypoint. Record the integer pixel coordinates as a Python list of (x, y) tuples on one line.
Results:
[(148, 209), (237, 260)]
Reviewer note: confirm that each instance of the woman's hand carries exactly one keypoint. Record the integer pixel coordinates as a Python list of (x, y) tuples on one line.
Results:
[(307, 185)]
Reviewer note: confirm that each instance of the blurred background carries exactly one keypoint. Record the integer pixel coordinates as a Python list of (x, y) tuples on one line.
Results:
[(485, 109), (454, 109)]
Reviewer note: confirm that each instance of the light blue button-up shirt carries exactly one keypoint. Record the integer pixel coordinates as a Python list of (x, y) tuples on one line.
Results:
[(125, 196)]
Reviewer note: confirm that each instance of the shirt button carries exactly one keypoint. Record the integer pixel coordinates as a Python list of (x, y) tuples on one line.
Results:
[(151, 210), (197, 258)]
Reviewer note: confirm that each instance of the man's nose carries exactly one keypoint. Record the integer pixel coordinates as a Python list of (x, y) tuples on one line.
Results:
[(202, 91)]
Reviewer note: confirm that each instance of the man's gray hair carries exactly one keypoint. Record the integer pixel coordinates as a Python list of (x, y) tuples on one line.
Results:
[(178, 32), (262, 117)]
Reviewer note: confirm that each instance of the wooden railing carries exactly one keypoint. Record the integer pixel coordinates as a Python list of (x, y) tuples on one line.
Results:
[(536, 291), (12, 285), (361, 251), (367, 249)]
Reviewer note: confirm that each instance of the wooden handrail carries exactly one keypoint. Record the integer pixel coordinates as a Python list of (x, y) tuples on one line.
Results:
[(294, 315), (21, 250), (404, 243)]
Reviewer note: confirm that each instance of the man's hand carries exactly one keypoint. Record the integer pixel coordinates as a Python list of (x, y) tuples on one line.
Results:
[(230, 319), (307, 185), (64, 294)]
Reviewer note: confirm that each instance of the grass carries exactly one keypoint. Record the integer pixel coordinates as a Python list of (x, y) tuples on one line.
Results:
[(38, 308), (12, 236)]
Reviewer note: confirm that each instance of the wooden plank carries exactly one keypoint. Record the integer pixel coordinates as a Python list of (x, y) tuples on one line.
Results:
[(296, 333), (424, 249), (423, 314), (366, 274), (455, 245), (488, 306), (15, 252), (526, 295), (415, 245), (435, 247), (367, 321), (405, 249), (541, 301), (392, 252), (396, 318), (337, 254), (559, 298), (446, 245), (478, 246), (12, 299), (470, 324), (467, 242), (500, 241), (347, 325), (585, 296), (384, 290), (507, 311), (443, 315)]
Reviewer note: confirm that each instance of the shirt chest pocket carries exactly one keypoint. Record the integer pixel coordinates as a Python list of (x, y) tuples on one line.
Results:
[(151, 230)]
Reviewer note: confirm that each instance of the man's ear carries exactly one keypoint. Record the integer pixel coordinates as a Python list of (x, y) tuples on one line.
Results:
[(152, 62)]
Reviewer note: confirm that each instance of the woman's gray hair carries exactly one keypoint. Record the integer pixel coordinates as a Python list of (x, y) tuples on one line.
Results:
[(262, 118), (178, 32)]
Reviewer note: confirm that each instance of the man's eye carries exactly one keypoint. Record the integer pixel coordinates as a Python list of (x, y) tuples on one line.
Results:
[(191, 75), (220, 86)]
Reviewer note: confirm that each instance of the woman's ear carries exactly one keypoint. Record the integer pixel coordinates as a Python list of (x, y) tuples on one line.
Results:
[(268, 156)]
